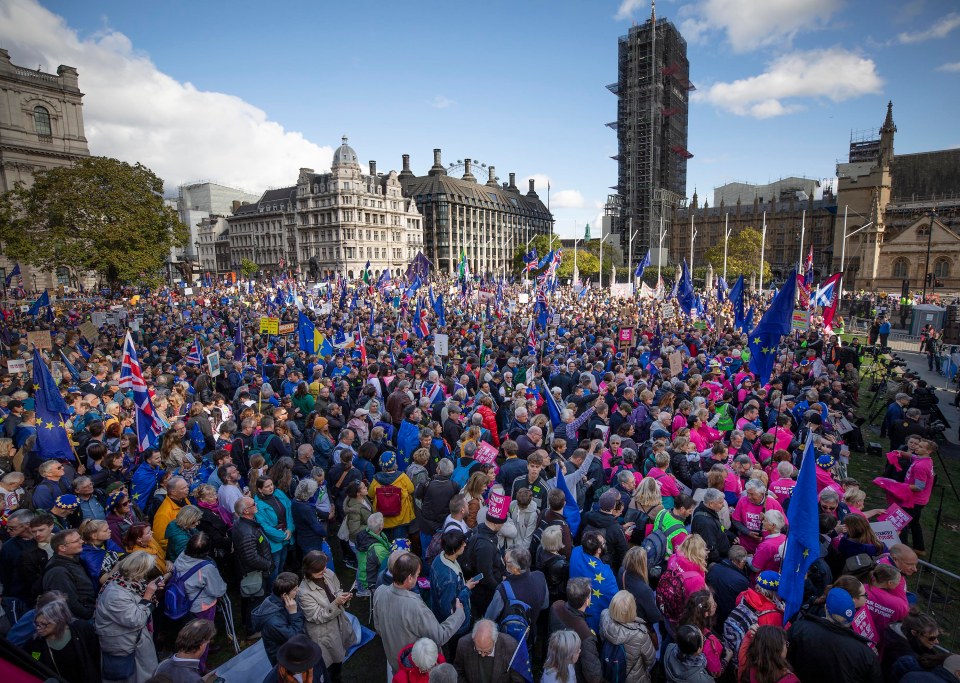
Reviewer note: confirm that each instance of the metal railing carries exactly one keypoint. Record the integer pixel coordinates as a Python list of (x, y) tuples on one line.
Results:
[(938, 594)]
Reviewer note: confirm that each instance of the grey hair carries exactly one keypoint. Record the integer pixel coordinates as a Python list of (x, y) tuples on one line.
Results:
[(375, 522), (305, 489), (829, 495), (774, 517), (567, 414), (188, 516), (712, 495), (22, 515), (552, 539), (424, 654), (755, 486), (57, 612), (469, 448), (520, 411), (624, 476), (136, 565), (785, 468), (737, 553), (519, 558), (445, 468), (174, 482), (443, 673), (913, 413), (742, 459), (45, 466), (737, 432), (486, 623), (562, 649), (80, 481)]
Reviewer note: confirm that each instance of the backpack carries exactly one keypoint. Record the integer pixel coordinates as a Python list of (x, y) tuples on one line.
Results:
[(860, 566), (435, 546), (257, 448), (655, 545), (515, 621), (462, 473), (389, 499), (176, 602), (468, 559), (671, 596), (738, 623), (613, 660), (639, 517)]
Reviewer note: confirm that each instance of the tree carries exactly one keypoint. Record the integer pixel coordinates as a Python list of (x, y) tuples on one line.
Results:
[(587, 264), (100, 215), (248, 268), (743, 256), (542, 243)]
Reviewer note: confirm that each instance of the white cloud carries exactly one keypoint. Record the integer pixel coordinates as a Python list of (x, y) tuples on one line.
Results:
[(135, 112), (541, 182), (441, 102), (567, 199), (749, 24), (952, 67), (627, 8), (835, 73), (940, 29)]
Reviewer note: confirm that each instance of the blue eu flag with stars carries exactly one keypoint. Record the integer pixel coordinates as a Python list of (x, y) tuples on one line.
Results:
[(603, 583), (52, 439), (776, 322), (803, 541)]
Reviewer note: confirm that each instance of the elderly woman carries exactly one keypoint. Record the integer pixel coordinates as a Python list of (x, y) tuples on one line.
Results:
[(215, 521), (179, 531), (747, 517), (122, 620), (99, 552), (372, 546), (563, 651), (324, 610), (66, 645), (416, 661), (619, 625), (311, 531)]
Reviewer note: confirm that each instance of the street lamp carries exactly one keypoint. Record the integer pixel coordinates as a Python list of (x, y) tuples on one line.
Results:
[(726, 238), (663, 234), (926, 268), (633, 233), (843, 244), (526, 250), (600, 274), (693, 236), (763, 247), (803, 223), (576, 273)]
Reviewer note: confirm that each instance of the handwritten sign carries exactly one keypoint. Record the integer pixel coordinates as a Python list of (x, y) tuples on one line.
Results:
[(800, 320), (667, 311), (40, 339), (897, 516), (676, 363), (498, 506), (441, 343), (89, 331), (16, 365), (485, 454), (270, 325), (626, 336), (286, 328)]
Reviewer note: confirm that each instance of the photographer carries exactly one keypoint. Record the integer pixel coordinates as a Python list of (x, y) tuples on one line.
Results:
[(924, 398)]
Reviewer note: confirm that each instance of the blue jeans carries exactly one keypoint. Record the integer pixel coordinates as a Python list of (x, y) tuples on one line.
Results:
[(279, 559), (424, 544)]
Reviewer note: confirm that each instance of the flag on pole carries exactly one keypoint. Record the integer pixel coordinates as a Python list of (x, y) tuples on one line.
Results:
[(830, 294), (736, 298), (306, 334), (808, 269), (776, 322), (644, 263), (803, 541), (42, 302), (366, 273), (532, 337), (51, 410), (420, 327), (195, 356), (148, 423), (239, 351)]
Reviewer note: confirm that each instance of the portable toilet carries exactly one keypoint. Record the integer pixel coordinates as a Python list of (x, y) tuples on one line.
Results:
[(927, 314)]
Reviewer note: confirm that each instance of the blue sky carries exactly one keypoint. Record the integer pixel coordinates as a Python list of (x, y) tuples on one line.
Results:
[(248, 92)]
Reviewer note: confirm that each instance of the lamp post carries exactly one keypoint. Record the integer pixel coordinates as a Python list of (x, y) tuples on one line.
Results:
[(803, 224), (600, 273), (633, 233), (843, 244), (663, 233), (693, 236), (576, 273), (926, 268), (726, 239), (526, 250)]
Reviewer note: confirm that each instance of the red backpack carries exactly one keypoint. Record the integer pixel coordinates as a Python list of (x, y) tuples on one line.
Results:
[(389, 499)]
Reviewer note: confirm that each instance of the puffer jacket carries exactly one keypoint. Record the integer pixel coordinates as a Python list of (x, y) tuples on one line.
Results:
[(490, 424), (120, 618), (276, 625), (371, 551), (641, 655), (250, 547), (408, 672), (205, 585), (526, 522)]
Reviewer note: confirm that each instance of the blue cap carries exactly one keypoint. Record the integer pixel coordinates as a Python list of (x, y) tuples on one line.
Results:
[(769, 579), (826, 461), (840, 604), (388, 460)]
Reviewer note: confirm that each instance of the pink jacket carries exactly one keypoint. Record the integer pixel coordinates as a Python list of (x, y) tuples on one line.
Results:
[(668, 485), (704, 436), (694, 578)]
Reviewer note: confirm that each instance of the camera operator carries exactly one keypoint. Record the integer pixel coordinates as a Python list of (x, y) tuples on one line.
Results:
[(924, 398), (908, 426)]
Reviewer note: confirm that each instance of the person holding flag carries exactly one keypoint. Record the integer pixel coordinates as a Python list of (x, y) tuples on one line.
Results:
[(586, 562), (764, 340), (52, 442)]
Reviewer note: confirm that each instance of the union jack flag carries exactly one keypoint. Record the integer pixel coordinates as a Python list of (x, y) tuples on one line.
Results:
[(419, 324), (432, 391), (149, 424), (195, 356), (532, 336)]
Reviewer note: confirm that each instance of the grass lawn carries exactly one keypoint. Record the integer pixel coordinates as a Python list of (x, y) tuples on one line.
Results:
[(939, 594)]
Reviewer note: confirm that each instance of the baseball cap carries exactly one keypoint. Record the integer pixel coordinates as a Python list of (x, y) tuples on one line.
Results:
[(609, 500), (840, 604)]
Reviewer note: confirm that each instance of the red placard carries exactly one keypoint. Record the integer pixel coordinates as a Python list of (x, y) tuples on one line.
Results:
[(897, 516), (498, 505), (485, 454)]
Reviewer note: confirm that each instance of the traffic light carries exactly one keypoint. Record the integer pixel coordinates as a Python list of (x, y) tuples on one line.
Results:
[(929, 278)]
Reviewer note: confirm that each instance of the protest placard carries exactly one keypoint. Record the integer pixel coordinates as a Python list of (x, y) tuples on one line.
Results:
[(40, 339), (498, 506), (485, 454), (270, 325), (16, 365), (897, 516)]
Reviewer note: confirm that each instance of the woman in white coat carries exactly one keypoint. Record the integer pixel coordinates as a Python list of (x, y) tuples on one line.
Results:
[(323, 605), (123, 612)]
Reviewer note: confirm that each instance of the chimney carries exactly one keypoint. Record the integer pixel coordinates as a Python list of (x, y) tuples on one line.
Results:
[(373, 168), (437, 168), (492, 178), (532, 192), (406, 172), (467, 175), (236, 204), (513, 183)]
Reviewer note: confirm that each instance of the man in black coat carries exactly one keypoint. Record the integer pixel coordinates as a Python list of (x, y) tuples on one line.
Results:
[(706, 523), (482, 556), (435, 496), (65, 573), (728, 580), (252, 550)]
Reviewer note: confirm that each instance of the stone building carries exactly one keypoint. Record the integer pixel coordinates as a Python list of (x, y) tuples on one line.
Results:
[(213, 245), (346, 218), (486, 221), (264, 231), (41, 127)]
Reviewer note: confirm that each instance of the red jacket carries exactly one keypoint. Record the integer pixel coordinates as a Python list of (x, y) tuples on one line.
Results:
[(490, 424), (408, 671), (760, 604)]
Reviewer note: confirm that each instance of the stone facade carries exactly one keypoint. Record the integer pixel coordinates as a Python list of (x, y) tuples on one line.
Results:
[(213, 247), (41, 127), (264, 231)]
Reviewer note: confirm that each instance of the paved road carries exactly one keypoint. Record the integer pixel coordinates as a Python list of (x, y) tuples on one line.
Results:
[(946, 390)]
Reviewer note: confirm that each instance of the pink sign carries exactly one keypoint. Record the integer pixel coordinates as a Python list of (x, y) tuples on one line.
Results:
[(498, 505), (897, 516), (626, 335), (485, 454)]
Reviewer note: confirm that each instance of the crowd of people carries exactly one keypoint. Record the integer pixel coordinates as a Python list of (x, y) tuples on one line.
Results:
[(558, 503)]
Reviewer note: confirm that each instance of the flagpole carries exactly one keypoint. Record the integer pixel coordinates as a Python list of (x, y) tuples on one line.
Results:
[(726, 239), (763, 245), (803, 221)]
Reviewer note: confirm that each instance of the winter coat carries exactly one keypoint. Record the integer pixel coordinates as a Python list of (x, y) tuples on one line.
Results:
[(490, 424), (401, 481), (435, 496), (407, 671), (683, 669), (372, 550), (446, 585), (821, 650), (68, 575), (177, 539), (250, 547), (276, 625), (266, 517), (356, 512), (694, 577), (165, 514), (706, 523), (310, 530), (526, 522), (327, 623), (612, 531), (563, 617), (641, 655), (205, 586), (400, 617), (121, 622)]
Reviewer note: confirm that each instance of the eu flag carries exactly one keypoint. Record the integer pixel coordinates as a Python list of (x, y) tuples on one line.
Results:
[(238, 348), (42, 302), (776, 322), (736, 298), (644, 263), (603, 583), (305, 334), (552, 408), (52, 439), (440, 311), (803, 541)]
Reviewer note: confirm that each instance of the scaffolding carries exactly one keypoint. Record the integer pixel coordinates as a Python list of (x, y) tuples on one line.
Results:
[(653, 94)]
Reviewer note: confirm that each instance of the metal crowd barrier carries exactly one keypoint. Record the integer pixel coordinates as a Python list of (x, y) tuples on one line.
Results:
[(938, 594)]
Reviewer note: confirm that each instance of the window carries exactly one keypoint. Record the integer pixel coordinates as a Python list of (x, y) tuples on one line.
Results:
[(941, 268), (41, 121), (900, 268)]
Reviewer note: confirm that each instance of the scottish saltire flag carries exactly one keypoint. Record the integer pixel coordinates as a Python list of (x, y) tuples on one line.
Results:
[(602, 582), (195, 356), (642, 266), (824, 294), (51, 412), (776, 322), (239, 351), (736, 298), (803, 541), (149, 424), (306, 334), (42, 302)]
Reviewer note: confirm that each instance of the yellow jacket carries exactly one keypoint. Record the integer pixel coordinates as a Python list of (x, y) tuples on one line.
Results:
[(166, 513), (401, 481)]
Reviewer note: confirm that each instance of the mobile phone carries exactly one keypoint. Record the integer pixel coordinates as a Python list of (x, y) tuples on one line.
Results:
[(477, 578)]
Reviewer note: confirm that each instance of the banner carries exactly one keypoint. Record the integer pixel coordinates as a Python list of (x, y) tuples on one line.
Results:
[(270, 325), (498, 506), (485, 454)]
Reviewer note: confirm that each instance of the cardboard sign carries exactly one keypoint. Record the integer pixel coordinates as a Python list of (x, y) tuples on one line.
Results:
[(800, 320), (286, 328), (213, 364), (89, 331), (886, 532), (666, 311), (134, 325), (16, 365), (676, 363), (99, 319), (498, 506), (897, 516), (441, 344), (523, 298), (40, 339), (485, 454), (187, 291), (270, 325), (626, 336)]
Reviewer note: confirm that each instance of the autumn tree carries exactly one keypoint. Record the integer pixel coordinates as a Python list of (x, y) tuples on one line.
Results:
[(100, 215), (743, 256)]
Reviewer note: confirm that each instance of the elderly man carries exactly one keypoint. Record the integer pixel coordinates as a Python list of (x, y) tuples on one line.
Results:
[(52, 485), (254, 559), (304, 463), (527, 586), (706, 522), (91, 502), (485, 655), (401, 616), (529, 442), (747, 517), (177, 490)]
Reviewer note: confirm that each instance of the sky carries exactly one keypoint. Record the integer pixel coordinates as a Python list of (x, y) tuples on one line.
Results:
[(246, 93)]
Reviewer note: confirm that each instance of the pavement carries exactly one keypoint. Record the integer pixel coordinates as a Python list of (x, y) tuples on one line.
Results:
[(945, 389)]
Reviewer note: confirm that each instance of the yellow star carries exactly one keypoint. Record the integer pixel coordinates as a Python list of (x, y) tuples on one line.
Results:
[(598, 578), (136, 496), (596, 593), (63, 424), (756, 340), (49, 425), (592, 563), (806, 553), (36, 387)]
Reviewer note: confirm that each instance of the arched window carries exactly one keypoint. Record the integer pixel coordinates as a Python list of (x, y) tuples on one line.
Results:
[(941, 268), (41, 121), (63, 276), (900, 267)]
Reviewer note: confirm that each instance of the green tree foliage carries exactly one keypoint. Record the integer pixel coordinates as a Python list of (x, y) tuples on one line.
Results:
[(743, 256), (248, 268), (543, 245), (100, 215), (587, 263)]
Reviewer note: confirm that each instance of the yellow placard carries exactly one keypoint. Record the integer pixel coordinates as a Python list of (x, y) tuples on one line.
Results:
[(270, 325)]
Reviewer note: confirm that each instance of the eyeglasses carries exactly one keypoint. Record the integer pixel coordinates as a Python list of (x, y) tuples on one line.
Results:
[(484, 653)]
